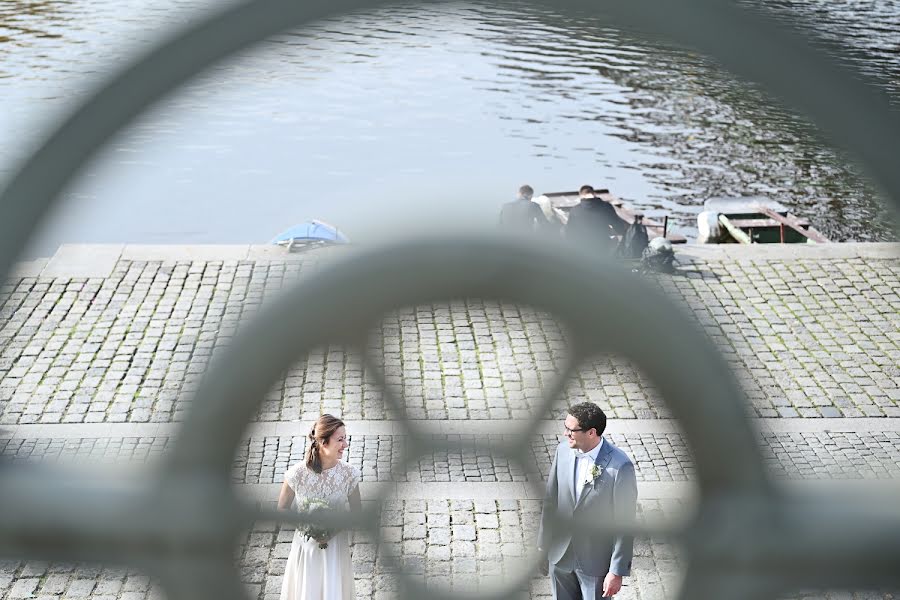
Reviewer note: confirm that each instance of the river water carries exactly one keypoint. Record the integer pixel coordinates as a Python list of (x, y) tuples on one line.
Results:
[(402, 119)]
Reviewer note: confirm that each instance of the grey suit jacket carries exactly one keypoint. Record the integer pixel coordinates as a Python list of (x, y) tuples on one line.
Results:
[(611, 498)]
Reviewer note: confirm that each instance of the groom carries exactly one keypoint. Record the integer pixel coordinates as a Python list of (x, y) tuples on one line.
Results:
[(590, 481)]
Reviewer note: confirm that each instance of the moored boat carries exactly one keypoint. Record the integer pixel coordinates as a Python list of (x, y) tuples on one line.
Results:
[(557, 204), (753, 220), (311, 234)]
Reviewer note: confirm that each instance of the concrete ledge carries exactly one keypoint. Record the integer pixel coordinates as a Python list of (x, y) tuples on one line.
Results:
[(31, 268), (264, 252), (738, 252), (618, 426), (206, 252), (876, 494), (87, 430), (268, 492), (218, 252), (98, 260), (83, 260), (477, 428)]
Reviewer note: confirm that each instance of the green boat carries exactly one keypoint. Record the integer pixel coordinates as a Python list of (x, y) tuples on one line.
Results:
[(753, 220)]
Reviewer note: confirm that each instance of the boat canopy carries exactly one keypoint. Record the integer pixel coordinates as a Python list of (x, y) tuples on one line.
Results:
[(743, 205), (311, 231)]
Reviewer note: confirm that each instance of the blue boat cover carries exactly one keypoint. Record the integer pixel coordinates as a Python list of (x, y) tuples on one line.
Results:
[(312, 231)]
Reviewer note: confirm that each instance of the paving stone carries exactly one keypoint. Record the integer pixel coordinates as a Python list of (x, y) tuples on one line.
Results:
[(24, 588)]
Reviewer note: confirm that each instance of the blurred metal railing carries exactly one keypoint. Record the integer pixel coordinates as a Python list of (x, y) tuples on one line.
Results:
[(748, 540)]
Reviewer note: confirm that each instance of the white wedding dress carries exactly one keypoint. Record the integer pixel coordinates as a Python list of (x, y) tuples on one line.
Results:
[(313, 573)]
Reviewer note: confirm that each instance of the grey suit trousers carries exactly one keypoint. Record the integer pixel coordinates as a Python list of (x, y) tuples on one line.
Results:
[(567, 583)]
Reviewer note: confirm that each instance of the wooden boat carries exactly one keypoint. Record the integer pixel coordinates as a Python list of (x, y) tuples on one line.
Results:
[(753, 220), (557, 204)]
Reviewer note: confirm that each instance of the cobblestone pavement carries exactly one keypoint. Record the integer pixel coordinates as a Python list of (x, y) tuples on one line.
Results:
[(657, 457), (463, 545), (806, 338)]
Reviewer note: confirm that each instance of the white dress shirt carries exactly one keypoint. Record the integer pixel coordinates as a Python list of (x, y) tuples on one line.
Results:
[(583, 462)]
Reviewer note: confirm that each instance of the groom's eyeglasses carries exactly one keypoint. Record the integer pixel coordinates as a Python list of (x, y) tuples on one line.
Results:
[(570, 431)]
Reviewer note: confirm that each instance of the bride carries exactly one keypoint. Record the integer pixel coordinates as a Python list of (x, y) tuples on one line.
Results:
[(312, 572)]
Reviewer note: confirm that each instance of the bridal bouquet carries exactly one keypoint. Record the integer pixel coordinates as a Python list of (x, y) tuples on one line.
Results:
[(312, 507)]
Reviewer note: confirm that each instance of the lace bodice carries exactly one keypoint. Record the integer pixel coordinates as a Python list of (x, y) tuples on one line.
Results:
[(333, 486)]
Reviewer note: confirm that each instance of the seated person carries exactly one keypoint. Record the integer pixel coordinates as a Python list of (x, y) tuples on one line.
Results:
[(522, 214), (593, 222)]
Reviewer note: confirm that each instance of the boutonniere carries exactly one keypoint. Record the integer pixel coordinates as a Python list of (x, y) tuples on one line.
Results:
[(592, 475)]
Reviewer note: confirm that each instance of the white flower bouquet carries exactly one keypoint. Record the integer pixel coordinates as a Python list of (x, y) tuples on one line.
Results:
[(314, 507)]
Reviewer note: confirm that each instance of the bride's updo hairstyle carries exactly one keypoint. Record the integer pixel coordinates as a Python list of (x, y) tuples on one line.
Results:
[(324, 428)]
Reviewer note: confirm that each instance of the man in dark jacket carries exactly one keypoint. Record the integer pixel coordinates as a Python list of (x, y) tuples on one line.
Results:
[(592, 222), (522, 214)]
